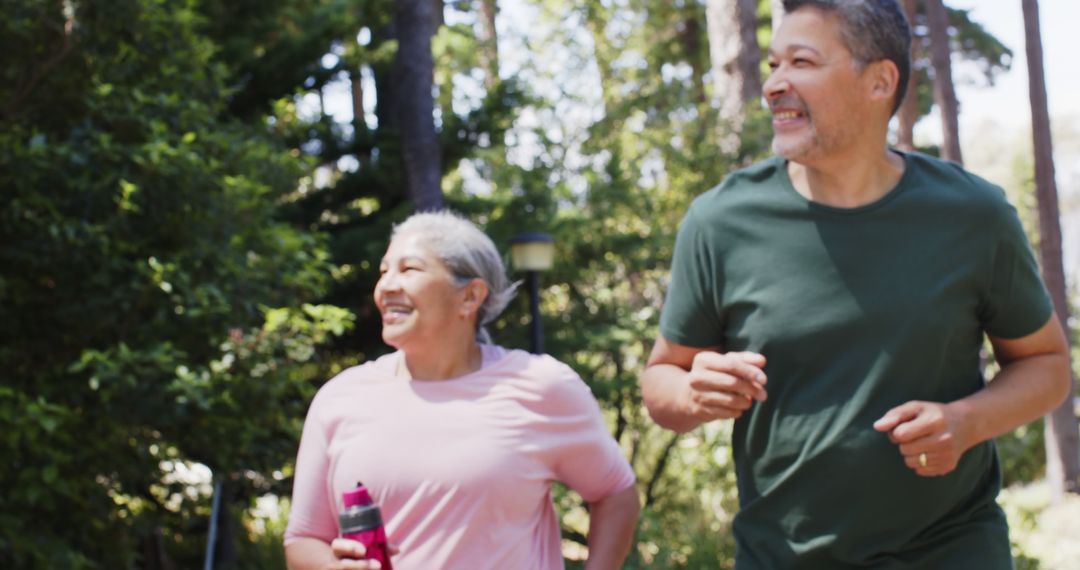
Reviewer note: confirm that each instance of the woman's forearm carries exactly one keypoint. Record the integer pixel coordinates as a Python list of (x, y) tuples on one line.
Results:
[(612, 521), (309, 554)]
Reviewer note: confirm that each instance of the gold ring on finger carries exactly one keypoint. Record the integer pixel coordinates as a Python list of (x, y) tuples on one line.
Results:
[(922, 460)]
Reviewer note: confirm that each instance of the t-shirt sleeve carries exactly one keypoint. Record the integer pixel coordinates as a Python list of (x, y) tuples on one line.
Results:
[(690, 316), (1016, 303), (576, 444), (311, 514)]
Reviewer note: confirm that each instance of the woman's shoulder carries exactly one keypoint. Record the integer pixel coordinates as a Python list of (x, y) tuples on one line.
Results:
[(513, 361), (542, 376), (360, 376)]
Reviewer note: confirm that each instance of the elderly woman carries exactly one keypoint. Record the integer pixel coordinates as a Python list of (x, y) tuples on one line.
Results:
[(458, 440)]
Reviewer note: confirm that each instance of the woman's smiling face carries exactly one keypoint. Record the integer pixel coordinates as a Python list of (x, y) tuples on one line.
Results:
[(418, 297)]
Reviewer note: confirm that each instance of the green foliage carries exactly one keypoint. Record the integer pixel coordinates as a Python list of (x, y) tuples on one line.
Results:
[(612, 192), (356, 206), (1022, 506), (263, 528), (1023, 454), (274, 47), (974, 44), (971, 44), (139, 230), (187, 251)]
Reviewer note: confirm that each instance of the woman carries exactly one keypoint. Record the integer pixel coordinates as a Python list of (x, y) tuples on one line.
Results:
[(458, 440)]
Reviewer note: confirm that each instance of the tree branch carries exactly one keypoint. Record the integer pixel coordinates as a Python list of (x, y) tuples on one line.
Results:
[(24, 90), (658, 471)]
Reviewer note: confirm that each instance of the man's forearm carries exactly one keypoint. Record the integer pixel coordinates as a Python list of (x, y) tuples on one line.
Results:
[(660, 390), (612, 521), (1023, 391)]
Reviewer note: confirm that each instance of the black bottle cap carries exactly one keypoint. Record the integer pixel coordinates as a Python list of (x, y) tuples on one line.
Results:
[(359, 518)]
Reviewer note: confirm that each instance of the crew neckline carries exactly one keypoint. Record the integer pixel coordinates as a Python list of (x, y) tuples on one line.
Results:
[(490, 354), (889, 196)]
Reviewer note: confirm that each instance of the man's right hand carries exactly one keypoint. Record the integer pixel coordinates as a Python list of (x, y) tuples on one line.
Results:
[(723, 385), (685, 386)]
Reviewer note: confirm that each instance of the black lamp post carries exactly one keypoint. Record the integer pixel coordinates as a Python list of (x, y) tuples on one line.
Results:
[(532, 253)]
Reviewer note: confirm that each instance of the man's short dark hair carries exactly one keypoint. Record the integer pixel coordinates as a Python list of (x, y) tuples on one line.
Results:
[(873, 30)]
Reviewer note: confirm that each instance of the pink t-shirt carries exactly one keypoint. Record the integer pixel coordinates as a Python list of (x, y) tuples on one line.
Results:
[(461, 468)]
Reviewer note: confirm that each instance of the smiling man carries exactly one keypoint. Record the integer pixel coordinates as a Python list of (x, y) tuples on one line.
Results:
[(832, 301)]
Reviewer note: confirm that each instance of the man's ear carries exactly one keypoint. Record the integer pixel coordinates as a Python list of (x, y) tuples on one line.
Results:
[(473, 295), (884, 80)]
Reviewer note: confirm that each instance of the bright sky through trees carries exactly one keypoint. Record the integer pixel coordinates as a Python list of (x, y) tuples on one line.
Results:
[(1002, 109)]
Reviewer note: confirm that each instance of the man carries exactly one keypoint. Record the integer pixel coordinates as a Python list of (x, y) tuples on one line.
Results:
[(833, 300)]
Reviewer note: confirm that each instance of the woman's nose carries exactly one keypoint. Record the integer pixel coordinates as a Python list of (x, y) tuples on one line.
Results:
[(387, 282)]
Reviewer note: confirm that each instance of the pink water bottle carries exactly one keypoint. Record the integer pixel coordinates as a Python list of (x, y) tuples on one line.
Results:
[(362, 522)]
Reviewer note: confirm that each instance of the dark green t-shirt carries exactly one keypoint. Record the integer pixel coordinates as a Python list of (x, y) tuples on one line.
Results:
[(857, 311)]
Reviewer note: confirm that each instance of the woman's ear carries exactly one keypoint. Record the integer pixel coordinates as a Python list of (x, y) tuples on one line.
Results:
[(473, 295)]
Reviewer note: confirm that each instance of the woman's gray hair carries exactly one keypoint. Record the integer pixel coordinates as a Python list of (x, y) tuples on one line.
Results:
[(469, 254), (873, 30)]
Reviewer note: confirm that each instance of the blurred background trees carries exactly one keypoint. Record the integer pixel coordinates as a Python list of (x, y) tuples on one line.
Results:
[(1062, 438), (196, 195)]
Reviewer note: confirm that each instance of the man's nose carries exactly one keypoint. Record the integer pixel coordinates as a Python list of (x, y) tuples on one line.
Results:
[(775, 85)]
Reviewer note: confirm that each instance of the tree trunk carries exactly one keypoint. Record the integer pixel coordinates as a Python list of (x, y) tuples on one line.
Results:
[(690, 38), (1062, 432), (736, 61), (944, 93), (489, 43), (415, 23), (359, 125), (387, 88), (155, 555), (749, 51), (596, 17), (440, 13), (777, 7), (908, 114), (225, 554)]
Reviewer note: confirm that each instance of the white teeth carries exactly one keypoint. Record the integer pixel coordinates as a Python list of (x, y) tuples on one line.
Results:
[(785, 115)]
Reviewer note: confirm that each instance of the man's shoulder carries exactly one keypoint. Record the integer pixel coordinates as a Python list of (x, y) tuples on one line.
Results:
[(952, 181), (740, 184)]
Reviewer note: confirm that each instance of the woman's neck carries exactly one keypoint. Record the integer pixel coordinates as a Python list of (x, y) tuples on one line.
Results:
[(451, 360)]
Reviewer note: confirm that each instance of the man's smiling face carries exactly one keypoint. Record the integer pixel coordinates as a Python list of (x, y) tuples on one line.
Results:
[(817, 92)]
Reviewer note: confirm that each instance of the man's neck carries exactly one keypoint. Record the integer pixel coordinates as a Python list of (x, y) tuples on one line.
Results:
[(849, 181)]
